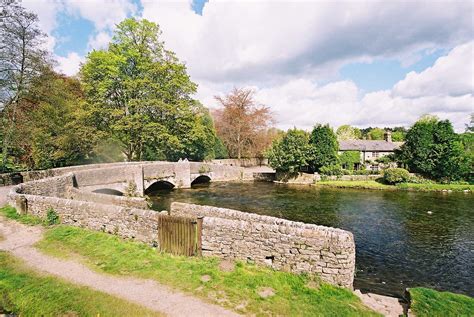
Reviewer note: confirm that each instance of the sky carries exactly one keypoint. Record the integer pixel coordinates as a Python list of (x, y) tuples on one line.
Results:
[(364, 63)]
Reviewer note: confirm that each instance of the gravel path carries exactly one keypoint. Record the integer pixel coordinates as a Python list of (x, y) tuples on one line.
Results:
[(19, 240)]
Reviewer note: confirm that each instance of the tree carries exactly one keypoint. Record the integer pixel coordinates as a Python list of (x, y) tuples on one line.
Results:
[(242, 124), (346, 132), (21, 61), (349, 159), (53, 128), (376, 134), (291, 152), (140, 94), (433, 149), (324, 145)]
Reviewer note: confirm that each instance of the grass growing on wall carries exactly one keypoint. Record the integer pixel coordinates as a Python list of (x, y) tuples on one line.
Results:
[(428, 302), (237, 289), (27, 293)]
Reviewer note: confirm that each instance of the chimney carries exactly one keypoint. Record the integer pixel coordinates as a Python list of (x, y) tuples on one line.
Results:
[(387, 136)]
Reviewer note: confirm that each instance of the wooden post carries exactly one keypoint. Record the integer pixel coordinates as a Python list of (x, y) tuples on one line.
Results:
[(199, 236)]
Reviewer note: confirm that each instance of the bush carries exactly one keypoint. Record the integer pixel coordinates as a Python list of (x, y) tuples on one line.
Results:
[(334, 169), (52, 217), (396, 175)]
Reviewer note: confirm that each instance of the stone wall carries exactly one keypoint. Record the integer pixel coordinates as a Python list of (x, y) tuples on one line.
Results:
[(244, 162), (351, 177), (134, 202), (279, 243), (130, 223)]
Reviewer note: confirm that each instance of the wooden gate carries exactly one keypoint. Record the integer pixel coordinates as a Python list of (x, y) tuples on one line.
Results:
[(180, 235)]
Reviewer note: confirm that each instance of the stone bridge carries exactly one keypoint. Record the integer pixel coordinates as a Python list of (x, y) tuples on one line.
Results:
[(145, 177)]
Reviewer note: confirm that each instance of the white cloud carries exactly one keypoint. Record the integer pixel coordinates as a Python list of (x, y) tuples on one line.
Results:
[(70, 64), (263, 40), (104, 14), (451, 75), (99, 41)]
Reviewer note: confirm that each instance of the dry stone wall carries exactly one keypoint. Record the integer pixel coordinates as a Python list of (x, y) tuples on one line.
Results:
[(279, 243)]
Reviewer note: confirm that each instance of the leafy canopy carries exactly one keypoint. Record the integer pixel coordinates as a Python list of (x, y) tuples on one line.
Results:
[(433, 149), (324, 146), (141, 95), (291, 152)]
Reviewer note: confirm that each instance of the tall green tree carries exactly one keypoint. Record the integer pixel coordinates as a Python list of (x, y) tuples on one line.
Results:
[(21, 61), (324, 146), (141, 95), (433, 149), (291, 152)]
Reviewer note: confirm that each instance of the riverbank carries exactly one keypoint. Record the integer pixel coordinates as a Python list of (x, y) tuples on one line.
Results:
[(371, 184)]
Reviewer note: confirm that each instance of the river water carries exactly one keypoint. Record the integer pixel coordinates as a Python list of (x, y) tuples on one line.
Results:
[(403, 239)]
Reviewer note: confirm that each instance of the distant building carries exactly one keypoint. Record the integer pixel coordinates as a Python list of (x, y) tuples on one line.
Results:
[(370, 150)]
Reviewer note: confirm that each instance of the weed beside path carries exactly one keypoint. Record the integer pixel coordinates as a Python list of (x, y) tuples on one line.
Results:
[(243, 288)]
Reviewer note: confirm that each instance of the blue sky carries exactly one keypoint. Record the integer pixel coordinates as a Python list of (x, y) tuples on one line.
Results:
[(362, 63)]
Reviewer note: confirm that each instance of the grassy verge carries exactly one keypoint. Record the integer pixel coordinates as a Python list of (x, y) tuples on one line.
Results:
[(26, 293), (237, 288), (402, 186), (428, 302), (10, 213), (356, 184)]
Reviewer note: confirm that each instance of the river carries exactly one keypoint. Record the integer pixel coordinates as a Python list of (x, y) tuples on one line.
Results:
[(403, 239)]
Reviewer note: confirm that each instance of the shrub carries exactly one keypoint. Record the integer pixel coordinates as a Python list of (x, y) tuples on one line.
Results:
[(52, 217), (396, 175), (334, 169)]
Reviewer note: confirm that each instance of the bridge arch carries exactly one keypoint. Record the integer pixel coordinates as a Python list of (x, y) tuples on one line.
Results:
[(201, 179), (108, 191), (159, 184)]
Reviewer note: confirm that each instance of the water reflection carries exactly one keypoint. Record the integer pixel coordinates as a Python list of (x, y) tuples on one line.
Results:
[(399, 244)]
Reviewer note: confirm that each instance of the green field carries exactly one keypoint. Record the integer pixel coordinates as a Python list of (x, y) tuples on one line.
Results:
[(27, 293)]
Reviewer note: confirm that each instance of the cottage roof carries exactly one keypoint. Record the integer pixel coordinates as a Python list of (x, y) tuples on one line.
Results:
[(368, 145)]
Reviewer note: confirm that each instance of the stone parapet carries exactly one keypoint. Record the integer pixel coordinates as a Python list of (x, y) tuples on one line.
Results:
[(279, 243)]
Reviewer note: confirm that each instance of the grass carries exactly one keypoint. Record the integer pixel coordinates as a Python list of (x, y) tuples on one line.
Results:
[(295, 295), (10, 213), (428, 302), (371, 184), (356, 184), (27, 293)]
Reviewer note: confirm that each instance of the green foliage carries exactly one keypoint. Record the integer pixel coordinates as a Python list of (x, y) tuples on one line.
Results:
[(386, 159), (294, 296), (334, 169), (376, 134), (141, 95), (398, 136), (26, 293), (324, 147), (347, 132), (52, 218), (349, 158), (396, 175), (291, 152), (428, 302), (433, 149)]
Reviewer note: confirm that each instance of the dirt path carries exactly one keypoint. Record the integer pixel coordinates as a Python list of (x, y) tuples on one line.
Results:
[(19, 240)]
